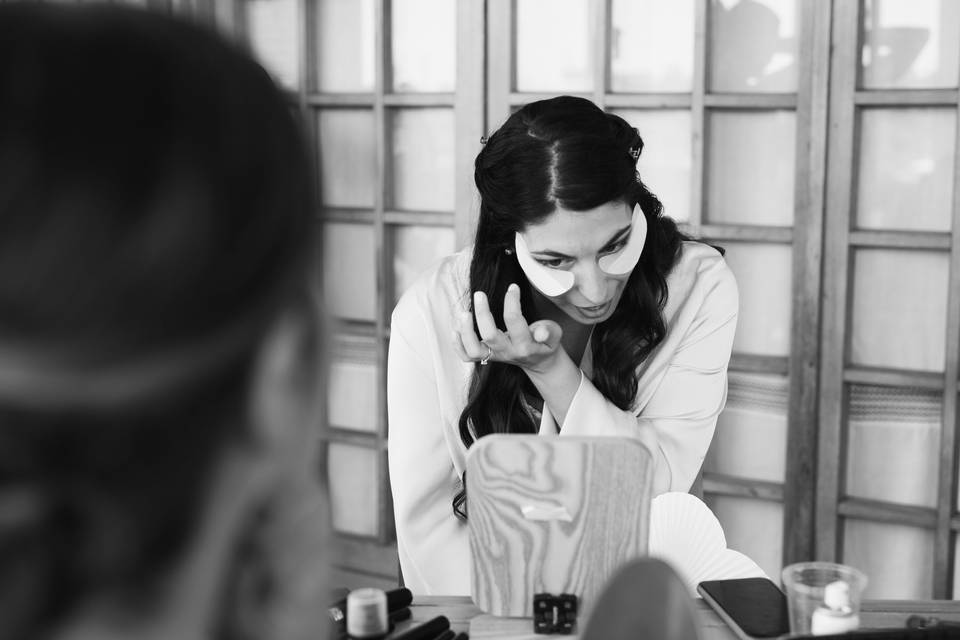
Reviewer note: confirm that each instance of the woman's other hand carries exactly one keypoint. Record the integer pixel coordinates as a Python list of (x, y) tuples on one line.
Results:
[(532, 347)]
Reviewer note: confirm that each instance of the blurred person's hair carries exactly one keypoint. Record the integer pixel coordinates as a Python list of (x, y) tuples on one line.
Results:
[(155, 207)]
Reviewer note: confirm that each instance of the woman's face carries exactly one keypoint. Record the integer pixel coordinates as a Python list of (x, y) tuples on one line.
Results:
[(574, 241)]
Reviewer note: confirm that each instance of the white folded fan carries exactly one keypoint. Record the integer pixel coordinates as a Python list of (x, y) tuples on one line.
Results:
[(685, 534)]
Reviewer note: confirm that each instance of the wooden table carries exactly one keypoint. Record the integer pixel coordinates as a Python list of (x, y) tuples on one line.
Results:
[(465, 616)]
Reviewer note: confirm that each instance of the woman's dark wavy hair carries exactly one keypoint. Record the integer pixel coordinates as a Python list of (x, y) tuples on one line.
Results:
[(155, 193), (562, 152)]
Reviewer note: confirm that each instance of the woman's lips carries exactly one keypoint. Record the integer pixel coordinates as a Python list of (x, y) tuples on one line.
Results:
[(596, 310)]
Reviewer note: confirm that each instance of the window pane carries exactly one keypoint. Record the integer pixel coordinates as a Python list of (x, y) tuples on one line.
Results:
[(345, 45), (899, 309), (415, 249), (956, 567), (763, 273), (897, 559), (353, 384), (751, 167), (664, 165), (274, 38), (424, 45), (751, 436), (906, 168), (352, 475), (894, 442), (347, 157), (753, 46), (752, 527), (910, 44), (423, 159), (651, 45), (349, 271), (553, 45)]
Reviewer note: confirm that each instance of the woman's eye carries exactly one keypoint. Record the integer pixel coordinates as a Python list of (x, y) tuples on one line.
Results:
[(616, 246), (552, 263)]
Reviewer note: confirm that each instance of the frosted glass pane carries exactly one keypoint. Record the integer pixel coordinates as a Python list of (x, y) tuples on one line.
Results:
[(353, 384), (894, 443), (347, 157), (274, 38), (763, 273), (664, 165), (899, 309), (651, 46), (906, 168), (415, 249), (424, 45), (349, 270), (353, 488), (910, 44), (751, 436), (751, 167), (423, 176), (753, 46), (897, 559), (553, 46), (754, 528), (345, 45)]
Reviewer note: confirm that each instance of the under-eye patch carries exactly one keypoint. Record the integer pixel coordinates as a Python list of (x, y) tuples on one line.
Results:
[(624, 260), (550, 282)]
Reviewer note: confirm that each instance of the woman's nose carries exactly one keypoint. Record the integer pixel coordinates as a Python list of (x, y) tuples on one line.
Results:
[(592, 284)]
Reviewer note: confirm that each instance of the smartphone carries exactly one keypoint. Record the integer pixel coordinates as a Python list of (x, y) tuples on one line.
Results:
[(751, 607)]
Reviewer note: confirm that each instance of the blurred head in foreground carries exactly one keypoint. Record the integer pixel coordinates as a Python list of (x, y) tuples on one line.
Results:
[(157, 345)]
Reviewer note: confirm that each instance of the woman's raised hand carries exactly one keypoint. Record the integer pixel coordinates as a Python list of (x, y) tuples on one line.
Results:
[(529, 346)]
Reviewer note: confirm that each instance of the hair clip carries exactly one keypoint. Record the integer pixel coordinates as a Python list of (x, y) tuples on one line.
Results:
[(508, 251), (483, 139), (635, 152)]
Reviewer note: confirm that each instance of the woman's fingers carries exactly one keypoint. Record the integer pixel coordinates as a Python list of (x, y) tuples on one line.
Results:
[(472, 347), (513, 319), (485, 323), (547, 333)]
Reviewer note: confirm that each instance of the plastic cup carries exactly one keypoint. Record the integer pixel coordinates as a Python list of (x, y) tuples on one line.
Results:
[(823, 597)]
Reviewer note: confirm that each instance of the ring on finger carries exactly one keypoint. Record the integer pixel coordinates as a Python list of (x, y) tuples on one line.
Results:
[(486, 358)]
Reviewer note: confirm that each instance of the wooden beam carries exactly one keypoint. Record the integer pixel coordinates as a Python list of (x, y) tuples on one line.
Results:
[(740, 233), (471, 114), (425, 218), (906, 97), (520, 98), (809, 202), (648, 100), (436, 99), (893, 377), (751, 100), (698, 116), (751, 363), (600, 48), (879, 511), (382, 245), (944, 549), (501, 70), (726, 485), (845, 31), (901, 239)]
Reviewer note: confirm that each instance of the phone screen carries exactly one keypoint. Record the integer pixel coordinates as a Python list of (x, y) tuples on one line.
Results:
[(755, 605)]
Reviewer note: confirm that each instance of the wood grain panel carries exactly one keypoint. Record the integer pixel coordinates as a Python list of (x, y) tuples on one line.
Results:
[(600, 488)]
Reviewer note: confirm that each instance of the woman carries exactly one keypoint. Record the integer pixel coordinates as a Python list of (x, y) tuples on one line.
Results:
[(158, 343), (580, 310)]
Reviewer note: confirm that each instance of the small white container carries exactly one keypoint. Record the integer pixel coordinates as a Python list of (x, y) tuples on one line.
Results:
[(367, 613)]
